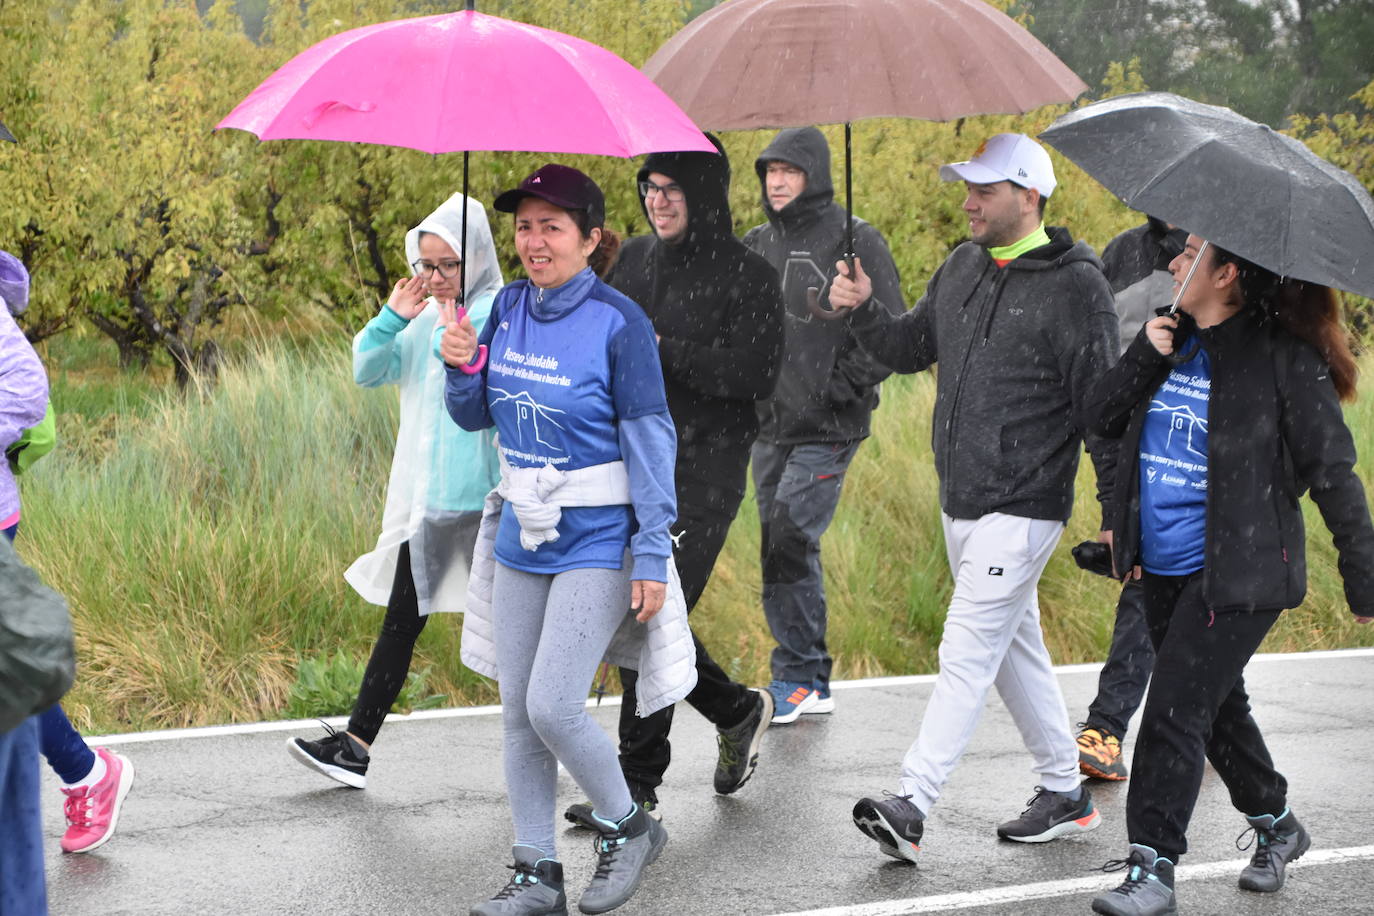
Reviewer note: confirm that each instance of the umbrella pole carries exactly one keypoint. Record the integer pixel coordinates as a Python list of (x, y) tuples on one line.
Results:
[(848, 201), (463, 238), (1173, 308)]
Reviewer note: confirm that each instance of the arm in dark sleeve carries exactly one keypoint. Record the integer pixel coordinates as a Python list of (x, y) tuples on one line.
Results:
[(856, 366), (1323, 454), (465, 395), (744, 364), (1138, 372), (1090, 352), (905, 343)]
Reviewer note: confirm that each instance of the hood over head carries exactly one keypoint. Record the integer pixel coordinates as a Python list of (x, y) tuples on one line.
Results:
[(14, 283), (808, 150), (705, 180), (483, 270)]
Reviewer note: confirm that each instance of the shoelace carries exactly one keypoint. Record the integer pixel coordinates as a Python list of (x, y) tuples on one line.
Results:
[(1261, 838), (77, 809), (606, 847), (728, 755), (1040, 793), (1134, 879), (524, 876)]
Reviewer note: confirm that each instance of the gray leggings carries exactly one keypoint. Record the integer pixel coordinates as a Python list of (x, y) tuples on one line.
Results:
[(551, 631)]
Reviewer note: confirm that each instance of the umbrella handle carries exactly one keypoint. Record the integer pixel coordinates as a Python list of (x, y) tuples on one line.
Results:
[(813, 304), (471, 368)]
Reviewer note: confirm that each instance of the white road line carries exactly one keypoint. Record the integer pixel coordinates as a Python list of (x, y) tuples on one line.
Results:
[(1021, 893), (254, 728)]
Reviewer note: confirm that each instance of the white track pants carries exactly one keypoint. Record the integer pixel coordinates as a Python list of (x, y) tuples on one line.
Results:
[(992, 637)]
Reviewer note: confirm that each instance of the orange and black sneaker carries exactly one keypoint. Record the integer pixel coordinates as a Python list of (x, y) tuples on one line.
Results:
[(1099, 755)]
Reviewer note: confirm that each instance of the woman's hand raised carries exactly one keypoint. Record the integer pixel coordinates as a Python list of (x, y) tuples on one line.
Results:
[(408, 297), (459, 340)]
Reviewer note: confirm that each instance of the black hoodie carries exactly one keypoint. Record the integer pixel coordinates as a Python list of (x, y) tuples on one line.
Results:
[(1021, 349), (1136, 263), (718, 312), (828, 386)]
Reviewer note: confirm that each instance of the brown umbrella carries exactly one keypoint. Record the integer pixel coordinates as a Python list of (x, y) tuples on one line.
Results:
[(750, 64)]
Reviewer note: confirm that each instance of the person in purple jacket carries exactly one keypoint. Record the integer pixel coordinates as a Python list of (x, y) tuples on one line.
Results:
[(95, 781), (567, 370)]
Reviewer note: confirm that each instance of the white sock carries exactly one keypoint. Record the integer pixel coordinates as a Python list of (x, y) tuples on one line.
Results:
[(96, 774)]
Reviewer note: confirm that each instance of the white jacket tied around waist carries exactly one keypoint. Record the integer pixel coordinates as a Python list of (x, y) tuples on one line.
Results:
[(660, 650)]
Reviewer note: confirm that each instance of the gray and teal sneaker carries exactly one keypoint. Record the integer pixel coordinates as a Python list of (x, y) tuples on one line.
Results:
[(1278, 841), (893, 822), (1148, 889), (536, 889), (623, 852)]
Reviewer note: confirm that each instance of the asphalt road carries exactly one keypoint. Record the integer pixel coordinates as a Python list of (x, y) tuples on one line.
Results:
[(223, 821)]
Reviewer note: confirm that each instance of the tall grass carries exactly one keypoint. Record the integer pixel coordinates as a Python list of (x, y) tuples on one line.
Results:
[(202, 546)]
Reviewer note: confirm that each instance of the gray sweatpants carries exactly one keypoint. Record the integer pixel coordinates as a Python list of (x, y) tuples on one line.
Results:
[(551, 632)]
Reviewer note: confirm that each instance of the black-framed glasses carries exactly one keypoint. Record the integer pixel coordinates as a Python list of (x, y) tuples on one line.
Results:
[(447, 269), (672, 192)]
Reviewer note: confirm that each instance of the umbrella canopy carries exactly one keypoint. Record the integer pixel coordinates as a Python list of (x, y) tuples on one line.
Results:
[(790, 63), (465, 81), (1230, 180), (6, 135)]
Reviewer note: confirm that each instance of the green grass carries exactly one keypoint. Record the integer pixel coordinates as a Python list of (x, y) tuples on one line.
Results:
[(201, 540)]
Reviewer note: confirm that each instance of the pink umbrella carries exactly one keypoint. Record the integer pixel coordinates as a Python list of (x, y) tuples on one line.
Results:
[(409, 83)]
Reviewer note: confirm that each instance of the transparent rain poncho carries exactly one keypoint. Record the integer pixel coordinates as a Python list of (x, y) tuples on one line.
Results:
[(440, 473)]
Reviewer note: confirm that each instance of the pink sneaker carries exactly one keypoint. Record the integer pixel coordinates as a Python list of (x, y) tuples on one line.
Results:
[(93, 811)]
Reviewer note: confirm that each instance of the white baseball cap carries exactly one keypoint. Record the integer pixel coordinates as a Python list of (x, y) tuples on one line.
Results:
[(1006, 157)]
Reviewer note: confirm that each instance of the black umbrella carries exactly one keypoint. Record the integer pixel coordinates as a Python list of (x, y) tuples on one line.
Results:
[(1230, 180)]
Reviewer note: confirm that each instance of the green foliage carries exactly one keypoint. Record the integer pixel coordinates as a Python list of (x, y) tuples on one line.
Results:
[(328, 687), (1268, 59)]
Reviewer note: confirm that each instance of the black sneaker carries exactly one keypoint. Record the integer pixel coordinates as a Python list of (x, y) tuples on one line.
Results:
[(623, 853), (580, 814), (739, 746), (1278, 841), (893, 822), (337, 756), (1148, 889), (536, 889), (1051, 815)]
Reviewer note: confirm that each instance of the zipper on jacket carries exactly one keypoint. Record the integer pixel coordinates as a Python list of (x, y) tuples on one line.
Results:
[(953, 436), (996, 297)]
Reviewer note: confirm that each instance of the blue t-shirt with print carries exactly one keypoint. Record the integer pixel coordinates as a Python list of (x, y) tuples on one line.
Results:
[(564, 366), (1173, 470)]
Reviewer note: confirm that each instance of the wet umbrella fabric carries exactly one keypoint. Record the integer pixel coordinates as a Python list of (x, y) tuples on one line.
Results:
[(6, 135), (1237, 183), (752, 64), (466, 81)]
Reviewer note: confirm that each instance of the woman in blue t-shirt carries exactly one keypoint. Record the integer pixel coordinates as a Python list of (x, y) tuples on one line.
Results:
[(567, 371), (1226, 414)]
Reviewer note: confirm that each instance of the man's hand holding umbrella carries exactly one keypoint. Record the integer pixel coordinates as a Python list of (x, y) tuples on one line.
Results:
[(848, 292)]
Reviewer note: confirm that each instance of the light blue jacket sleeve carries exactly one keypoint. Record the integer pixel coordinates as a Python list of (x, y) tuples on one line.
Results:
[(378, 355), (648, 445)]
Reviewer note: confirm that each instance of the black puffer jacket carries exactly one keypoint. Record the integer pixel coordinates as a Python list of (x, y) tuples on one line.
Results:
[(828, 387), (717, 309), (1275, 429)]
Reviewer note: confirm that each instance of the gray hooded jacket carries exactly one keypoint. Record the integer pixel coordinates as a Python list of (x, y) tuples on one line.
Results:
[(827, 387), (1020, 349)]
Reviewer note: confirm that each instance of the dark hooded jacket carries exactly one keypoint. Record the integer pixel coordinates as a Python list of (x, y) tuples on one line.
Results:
[(828, 387), (718, 312), (1274, 430), (1021, 350), (1136, 263)]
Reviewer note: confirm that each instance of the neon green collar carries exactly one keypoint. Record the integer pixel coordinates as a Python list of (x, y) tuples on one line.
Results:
[(1029, 243)]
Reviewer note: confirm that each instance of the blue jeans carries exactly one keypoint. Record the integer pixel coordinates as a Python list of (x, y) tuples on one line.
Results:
[(798, 488), (22, 888)]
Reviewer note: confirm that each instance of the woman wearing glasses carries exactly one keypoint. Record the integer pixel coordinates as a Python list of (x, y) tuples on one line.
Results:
[(440, 474)]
